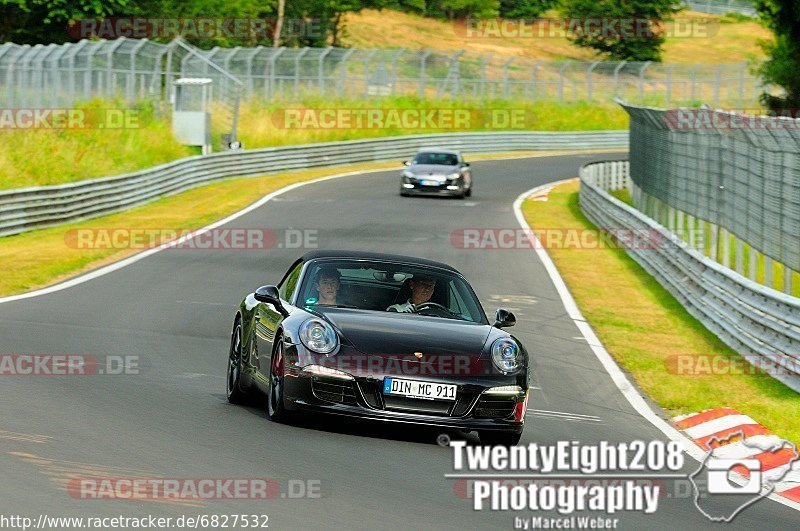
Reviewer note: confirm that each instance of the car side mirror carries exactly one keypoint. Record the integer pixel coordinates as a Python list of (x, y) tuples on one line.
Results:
[(466, 164), (503, 318), (270, 295), (406, 163)]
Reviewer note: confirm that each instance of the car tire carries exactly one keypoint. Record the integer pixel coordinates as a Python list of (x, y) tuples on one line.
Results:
[(500, 438), (468, 193), (276, 408), (233, 388)]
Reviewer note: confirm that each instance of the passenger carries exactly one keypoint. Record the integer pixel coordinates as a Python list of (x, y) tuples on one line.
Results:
[(328, 286), (421, 291)]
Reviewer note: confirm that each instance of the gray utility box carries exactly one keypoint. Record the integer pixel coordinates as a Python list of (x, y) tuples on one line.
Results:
[(191, 112)]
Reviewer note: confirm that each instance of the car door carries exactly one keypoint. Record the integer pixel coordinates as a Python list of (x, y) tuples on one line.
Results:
[(268, 319)]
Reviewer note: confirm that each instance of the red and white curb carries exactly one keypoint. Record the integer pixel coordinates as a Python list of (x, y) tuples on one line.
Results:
[(721, 423), (541, 193)]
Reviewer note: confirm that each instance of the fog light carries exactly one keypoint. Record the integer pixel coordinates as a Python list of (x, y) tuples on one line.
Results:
[(452, 187), (408, 185)]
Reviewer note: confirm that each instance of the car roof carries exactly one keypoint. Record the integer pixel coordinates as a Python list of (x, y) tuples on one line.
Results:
[(438, 150), (365, 255)]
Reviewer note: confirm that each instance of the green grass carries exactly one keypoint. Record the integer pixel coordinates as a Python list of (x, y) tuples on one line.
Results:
[(644, 327), (43, 157), (264, 124)]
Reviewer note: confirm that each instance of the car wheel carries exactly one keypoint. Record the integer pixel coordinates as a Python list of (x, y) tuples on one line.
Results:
[(468, 193), (276, 410), (234, 391), (500, 438)]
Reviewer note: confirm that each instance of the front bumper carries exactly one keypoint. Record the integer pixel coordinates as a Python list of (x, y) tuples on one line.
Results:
[(361, 397), (412, 188)]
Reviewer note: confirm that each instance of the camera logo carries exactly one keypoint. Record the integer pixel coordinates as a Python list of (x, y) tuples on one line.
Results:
[(735, 473), (719, 476)]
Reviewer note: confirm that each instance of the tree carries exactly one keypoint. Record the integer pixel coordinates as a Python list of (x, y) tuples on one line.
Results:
[(526, 9), (45, 21), (783, 64), (276, 38), (458, 9), (630, 30)]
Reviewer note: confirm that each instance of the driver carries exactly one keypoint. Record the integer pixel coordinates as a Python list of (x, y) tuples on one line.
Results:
[(421, 291), (327, 286)]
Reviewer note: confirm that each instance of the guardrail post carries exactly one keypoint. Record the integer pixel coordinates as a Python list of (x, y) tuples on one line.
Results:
[(726, 247), (297, 70), (321, 69), (641, 79), (717, 83), (752, 264), (422, 59), (561, 80), (739, 251), (713, 251), (769, 279), (589, 80)]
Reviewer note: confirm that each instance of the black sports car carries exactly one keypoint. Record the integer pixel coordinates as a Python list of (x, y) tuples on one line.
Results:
[(380, 337)]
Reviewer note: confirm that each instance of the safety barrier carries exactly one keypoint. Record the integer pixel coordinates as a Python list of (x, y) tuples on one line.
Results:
[(760, 323)]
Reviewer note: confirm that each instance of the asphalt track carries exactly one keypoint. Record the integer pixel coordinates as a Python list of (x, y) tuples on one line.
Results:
[(173, 310)]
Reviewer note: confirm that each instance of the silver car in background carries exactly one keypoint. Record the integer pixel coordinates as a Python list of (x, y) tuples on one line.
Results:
[(436, 172)]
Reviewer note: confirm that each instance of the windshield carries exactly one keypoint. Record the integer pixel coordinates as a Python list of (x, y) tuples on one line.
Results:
[(389, 287), (440, 159)]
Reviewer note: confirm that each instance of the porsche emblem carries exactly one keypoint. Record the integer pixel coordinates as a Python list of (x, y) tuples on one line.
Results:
[(418, 355)]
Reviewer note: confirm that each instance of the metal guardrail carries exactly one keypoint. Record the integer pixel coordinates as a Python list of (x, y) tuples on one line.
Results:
[(761, 324), (31, 208), (721, 7)]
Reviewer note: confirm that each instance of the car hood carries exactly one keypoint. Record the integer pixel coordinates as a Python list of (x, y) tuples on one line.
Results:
[(424, 170), (400, 335)]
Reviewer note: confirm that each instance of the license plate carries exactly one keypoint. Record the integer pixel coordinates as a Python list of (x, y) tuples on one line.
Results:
[(417, 389), (429, 183)]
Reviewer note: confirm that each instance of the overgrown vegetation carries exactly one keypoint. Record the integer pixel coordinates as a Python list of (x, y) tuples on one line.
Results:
[(783, 62)]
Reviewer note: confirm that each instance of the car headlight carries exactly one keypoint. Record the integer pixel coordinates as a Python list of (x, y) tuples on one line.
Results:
[(505, 354), (455, 175), (408, 174), (318, 336)]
